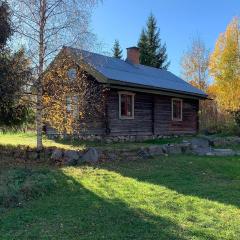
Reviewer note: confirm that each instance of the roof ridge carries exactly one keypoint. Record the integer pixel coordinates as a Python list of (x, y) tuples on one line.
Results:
[(117, 59)]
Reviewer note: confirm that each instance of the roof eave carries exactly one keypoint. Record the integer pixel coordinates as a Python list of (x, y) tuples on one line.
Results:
[(157, 90)]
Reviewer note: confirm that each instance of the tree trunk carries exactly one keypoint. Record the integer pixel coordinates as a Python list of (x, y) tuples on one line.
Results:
[(39, 123), (39, 119)]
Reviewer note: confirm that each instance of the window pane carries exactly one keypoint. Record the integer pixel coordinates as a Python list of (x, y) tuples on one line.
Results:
[(126, 105), (123, 105), (177, 109), (72, 74), (75, 106), (68, 104)]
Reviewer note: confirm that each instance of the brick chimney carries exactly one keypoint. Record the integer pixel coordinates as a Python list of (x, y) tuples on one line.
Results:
[(133, 55)]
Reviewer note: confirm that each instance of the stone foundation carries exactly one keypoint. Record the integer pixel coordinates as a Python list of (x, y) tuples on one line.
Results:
[(110, 139)]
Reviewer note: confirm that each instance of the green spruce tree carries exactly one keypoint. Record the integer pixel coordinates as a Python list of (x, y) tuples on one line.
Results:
[(152, 52), (143, 49), (117, 51)]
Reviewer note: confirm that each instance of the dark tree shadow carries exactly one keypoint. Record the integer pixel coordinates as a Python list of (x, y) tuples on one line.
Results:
[(77, 213), (212, 178)]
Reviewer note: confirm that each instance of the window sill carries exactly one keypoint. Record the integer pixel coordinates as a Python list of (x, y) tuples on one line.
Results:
[(126, 118), (177, 120)]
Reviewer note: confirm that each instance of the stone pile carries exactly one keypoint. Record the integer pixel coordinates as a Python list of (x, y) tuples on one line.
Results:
[(197, 146)]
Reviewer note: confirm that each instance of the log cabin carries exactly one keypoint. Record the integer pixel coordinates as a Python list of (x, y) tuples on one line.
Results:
[(142, 101)]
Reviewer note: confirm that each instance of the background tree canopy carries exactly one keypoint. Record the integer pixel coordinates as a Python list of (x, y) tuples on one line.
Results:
[(5, 23), (15, 73)]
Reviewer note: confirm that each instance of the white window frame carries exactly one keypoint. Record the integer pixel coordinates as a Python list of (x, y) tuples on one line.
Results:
[(73, 105), (68, 103), (120, 105), (181, 101)]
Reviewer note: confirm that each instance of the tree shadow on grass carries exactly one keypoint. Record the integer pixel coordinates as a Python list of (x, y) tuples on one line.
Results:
[(211, 178), (74, 212)]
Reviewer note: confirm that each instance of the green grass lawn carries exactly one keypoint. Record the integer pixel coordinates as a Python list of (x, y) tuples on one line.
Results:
[(178, 197), (29, 139)]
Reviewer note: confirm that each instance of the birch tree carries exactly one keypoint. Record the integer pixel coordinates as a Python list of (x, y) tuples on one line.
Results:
[(44, 27), (195, 63)]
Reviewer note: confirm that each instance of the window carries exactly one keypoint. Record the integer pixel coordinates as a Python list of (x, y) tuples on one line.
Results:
[(68, 104), (126, 105), (72, 105), (176, 109), (72, 74)]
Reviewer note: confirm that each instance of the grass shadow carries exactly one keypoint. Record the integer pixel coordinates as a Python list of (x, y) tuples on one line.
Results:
[(74, 212)]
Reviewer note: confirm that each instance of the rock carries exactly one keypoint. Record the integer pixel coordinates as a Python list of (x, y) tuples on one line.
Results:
[(199, 143), (174, 149), (223, 152), (186, 147), (165, 148), (143, 153), (155, 150), (57, 154), (71, 157), (91, 156), (202, 151), (218, 142), (210, 154), (237, 153)]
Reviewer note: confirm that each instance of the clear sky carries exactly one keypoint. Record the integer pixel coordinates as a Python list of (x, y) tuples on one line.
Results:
[(179, 22)]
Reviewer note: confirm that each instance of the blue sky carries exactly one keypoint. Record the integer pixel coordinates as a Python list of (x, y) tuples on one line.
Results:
[(179, 22)]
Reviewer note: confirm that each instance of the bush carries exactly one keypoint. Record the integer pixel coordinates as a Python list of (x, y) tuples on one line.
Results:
[(214, 121)]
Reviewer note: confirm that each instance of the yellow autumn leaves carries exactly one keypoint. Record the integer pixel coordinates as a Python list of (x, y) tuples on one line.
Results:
[(224, 67)]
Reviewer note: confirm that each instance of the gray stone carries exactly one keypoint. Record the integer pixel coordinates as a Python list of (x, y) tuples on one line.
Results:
[(57, 154), (237, 153), (210, 154), (143, 153), (91, 156), (223, 152), (202, 151), (165, 148), (71, 157), (199, 143), (155, 150), (174, 149), (186, 147)]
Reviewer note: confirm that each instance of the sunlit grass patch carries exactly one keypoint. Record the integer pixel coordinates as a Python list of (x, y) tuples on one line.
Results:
[(30, 138), (178, 197)]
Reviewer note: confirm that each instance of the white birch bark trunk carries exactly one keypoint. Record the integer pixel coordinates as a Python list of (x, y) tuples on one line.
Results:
[(39, 122)]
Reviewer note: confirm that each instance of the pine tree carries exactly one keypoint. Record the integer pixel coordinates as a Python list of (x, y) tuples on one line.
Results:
[(117, 51), (143, 48), (152, 52)]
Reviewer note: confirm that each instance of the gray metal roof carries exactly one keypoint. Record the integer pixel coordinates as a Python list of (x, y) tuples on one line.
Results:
[(149, 77)]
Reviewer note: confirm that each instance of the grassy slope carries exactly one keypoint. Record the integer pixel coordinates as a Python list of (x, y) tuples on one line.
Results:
[(29, 139), (180, 197)]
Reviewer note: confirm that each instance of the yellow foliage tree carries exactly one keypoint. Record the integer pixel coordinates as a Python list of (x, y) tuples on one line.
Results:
[(71, 102), (224, 67)]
